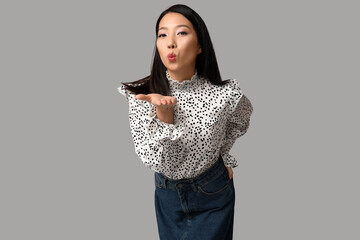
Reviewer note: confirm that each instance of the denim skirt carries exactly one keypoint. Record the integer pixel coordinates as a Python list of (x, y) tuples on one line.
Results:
[(200, 208)]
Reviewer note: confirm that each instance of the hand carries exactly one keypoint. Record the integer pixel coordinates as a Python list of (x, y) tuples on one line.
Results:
[(160, 101), (230, 171), (164, 105)]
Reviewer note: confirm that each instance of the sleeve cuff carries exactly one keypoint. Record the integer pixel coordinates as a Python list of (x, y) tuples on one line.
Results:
[(164, 131), (229, 161)]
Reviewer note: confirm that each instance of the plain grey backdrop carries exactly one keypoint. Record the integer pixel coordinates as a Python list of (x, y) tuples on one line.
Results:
[(68, 167)]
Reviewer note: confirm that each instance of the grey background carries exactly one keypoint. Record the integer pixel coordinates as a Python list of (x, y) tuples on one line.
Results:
[(68, 167)]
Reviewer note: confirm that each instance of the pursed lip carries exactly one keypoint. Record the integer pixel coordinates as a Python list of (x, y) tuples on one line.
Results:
[(171, 55)]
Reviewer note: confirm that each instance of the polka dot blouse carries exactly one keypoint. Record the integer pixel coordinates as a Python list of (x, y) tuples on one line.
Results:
[(207, 121)]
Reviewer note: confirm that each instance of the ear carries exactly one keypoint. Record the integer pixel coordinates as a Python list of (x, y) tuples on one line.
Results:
[(200, 50)]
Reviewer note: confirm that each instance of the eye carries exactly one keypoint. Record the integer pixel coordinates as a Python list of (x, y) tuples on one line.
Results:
[(181, 33)]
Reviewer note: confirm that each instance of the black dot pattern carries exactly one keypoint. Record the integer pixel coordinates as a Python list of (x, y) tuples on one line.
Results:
[(207, 121)]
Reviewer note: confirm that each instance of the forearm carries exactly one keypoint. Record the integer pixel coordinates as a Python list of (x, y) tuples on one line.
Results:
[(165, 115)]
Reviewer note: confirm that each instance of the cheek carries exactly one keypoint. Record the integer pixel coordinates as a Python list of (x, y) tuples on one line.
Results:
[(161, 53), (191, 47), (191, 51)]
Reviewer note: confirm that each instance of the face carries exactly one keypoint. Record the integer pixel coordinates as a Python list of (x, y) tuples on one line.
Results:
[(176, 35)]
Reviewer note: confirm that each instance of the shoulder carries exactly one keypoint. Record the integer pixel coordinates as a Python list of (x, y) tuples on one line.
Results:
[(233, 85), (124, 91), (230, 89), (129, 95), (233, 91), (133, 102)]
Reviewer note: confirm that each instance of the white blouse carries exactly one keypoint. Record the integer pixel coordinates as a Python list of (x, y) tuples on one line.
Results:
[(207, 121)]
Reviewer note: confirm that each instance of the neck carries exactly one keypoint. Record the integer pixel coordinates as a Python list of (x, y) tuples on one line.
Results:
[(181, 75)]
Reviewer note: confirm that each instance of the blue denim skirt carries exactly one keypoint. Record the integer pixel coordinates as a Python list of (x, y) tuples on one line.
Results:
[(200, 208)]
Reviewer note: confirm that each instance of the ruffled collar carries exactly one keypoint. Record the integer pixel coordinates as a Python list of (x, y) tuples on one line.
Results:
[(178, 85)]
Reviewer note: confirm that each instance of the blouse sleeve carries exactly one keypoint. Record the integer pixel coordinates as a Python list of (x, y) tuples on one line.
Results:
[(150, 135), (240, 110)]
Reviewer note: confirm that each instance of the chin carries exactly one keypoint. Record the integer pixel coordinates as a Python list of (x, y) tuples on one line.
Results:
[(172, 68)]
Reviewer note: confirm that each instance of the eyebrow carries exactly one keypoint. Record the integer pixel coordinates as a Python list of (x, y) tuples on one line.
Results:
[(182, 25)]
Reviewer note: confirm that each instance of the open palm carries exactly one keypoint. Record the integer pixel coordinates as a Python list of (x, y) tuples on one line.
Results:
[(158, 100)]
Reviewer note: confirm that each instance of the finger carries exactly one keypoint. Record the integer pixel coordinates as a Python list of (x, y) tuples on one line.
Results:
[(173, 101), (157, 102)]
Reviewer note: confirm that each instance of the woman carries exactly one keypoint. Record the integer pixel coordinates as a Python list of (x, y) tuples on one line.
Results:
[(184, 120)]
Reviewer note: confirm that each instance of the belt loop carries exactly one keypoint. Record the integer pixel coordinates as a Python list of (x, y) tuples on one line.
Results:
[(194, 186), (165, 182)]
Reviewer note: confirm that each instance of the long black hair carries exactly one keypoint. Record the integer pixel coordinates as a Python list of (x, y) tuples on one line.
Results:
[(206, 64)]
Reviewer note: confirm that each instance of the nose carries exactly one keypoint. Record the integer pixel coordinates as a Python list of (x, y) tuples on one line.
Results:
[(171, 44)]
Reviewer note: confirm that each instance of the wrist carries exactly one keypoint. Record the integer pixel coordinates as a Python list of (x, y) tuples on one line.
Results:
[(165, 114)]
